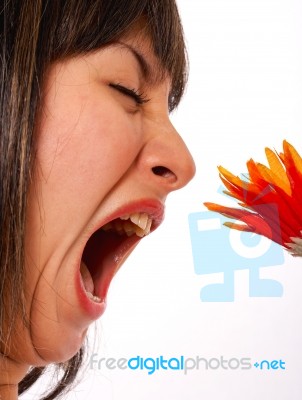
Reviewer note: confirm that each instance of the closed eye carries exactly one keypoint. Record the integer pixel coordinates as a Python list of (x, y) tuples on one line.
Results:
[(138, 97)]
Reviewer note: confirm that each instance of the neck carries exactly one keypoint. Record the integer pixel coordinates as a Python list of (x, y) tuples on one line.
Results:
[(9, 392), (11, 374)]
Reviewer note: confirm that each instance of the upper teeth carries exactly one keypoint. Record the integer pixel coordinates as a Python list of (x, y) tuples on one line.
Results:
[(137, 223)]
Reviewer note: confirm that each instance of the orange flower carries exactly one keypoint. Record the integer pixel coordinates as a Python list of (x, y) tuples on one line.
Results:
[(271, 197)]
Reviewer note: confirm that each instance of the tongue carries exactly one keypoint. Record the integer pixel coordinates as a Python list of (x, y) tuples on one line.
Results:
[(86, 278)]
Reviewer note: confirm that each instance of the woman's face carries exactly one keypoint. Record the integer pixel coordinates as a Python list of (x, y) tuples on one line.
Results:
[(105, 151)]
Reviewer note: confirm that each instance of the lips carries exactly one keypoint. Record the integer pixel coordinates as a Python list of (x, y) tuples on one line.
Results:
[(109, 245)]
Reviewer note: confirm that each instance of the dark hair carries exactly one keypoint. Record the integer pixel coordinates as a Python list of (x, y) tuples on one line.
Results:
[(34, 34)]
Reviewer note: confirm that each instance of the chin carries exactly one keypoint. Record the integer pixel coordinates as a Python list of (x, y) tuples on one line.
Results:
[(59, 347)]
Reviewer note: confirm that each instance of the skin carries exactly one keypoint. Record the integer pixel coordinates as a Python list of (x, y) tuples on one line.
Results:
[(86, 125)]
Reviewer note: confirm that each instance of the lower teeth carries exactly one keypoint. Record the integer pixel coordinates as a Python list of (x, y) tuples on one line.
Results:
[(93, 298)]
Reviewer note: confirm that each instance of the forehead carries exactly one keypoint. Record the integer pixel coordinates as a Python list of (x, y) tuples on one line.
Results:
[(139, 43)]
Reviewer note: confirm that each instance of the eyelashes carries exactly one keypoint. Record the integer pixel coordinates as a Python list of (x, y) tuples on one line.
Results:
[(137, 96)]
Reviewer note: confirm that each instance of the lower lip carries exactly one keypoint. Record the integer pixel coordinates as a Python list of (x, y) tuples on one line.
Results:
[(91, 308)]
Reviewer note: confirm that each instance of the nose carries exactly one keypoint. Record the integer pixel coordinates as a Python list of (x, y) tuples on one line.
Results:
[(165, 160)]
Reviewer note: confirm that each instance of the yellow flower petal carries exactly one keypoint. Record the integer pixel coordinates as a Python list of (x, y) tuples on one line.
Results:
[(233, 182), (272, 178), (278, 169), (288, 148)]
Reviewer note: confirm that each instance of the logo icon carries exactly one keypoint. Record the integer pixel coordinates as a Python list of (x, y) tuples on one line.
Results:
[(218, 249)]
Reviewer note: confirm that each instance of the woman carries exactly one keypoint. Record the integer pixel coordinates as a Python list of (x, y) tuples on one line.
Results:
[(88, 156)]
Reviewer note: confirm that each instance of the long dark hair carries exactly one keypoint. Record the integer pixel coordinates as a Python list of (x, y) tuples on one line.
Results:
[(34, 34)]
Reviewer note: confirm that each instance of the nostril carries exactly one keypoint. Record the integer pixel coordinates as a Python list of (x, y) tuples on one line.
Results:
[(163, 172)]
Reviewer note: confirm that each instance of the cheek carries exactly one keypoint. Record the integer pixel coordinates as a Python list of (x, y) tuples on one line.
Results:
[(85, 151), (81, 156), (77, 165)]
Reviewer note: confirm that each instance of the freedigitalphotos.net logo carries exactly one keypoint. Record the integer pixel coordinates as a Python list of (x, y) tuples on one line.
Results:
[(182, 364), (219, 249)]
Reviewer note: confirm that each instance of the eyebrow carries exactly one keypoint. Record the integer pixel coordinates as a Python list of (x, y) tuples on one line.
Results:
[(150, 73)]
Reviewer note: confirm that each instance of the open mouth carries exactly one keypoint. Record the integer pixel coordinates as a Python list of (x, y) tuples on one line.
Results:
[(108, 248)]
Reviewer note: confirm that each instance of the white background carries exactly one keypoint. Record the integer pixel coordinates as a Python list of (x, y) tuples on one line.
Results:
[(244, 93)]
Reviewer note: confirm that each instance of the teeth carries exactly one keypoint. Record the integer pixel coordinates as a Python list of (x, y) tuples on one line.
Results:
[(137, 223), (128, 228), (107, 227), (139, 232), (118, 225), (140, 220), (148, 227), (93, 298)]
